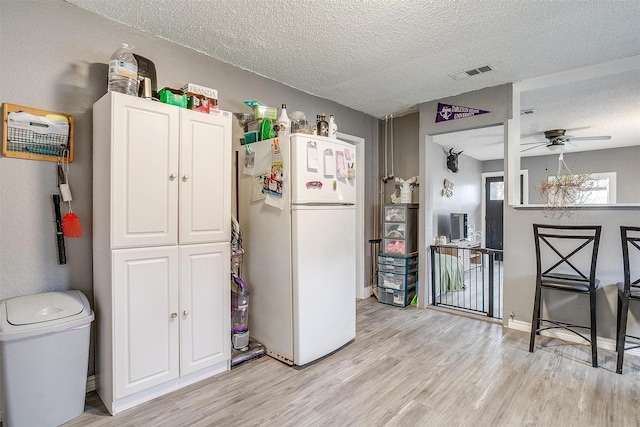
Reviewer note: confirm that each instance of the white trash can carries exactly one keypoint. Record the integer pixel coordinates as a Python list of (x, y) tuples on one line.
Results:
[(44, 352)]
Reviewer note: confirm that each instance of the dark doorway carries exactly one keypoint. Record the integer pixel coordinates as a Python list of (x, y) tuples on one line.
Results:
[(494, 202), (494, 190)]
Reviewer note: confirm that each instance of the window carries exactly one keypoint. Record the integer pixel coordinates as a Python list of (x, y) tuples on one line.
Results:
[(601, 190), (496, 190)]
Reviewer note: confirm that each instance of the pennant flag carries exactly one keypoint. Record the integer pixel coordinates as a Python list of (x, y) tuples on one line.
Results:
[(447, 112)]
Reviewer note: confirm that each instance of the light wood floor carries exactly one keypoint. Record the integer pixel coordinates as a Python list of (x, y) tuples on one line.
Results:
[(408, 367)]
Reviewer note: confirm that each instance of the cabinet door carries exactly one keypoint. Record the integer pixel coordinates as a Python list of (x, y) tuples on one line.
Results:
[(205, 177), (145, 318), (145, 173), (205, 324)]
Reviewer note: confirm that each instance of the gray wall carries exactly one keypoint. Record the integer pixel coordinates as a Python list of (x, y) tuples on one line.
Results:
[(405, 155), (519, 256), (623, 161), (53, 56), (467, 189)]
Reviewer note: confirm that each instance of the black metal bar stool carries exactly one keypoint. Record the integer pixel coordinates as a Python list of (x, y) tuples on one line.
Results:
[(564, 266), (629, 290)]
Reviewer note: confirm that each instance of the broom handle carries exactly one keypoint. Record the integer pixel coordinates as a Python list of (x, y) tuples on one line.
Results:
[(62, 257)]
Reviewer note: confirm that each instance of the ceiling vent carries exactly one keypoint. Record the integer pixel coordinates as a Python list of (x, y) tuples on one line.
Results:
[(470, 73)]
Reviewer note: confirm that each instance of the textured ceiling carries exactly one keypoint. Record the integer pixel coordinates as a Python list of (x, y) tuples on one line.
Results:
[(384, 57)]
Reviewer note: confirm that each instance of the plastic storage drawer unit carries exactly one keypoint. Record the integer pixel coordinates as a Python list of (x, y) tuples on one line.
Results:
[(44, 353), (395, 297), (397, 281), (401, 213), (394, 269), (399, 261)]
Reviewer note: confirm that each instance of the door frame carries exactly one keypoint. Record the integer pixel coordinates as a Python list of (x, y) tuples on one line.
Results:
[(485, 175), (359, 144)]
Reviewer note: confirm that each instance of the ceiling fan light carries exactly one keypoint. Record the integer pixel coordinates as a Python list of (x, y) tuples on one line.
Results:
[(555, 147)]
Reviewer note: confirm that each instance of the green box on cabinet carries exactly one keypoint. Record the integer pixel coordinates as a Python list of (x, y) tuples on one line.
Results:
[(173, 97)]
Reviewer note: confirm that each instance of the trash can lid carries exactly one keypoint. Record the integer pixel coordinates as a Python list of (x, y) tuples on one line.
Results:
[(44, 307)]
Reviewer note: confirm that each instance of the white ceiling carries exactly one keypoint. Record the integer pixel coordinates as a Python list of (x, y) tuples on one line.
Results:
[(386, 56)]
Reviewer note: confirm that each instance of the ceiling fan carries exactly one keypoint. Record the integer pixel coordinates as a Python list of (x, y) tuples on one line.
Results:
[(557, 140)]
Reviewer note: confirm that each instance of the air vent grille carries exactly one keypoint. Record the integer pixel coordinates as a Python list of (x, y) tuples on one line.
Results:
[(472, 72)]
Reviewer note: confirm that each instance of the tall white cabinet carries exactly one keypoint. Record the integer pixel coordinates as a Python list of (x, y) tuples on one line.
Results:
[(161, 247)]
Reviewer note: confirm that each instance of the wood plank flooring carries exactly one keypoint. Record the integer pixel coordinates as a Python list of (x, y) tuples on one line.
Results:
[(407, 367)]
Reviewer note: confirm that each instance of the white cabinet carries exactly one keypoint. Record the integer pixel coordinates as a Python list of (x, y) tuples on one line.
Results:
[(168, 170), (205, 301), (145, 335), (161, 231)]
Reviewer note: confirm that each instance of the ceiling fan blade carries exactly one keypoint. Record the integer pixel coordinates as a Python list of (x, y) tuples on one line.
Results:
[(589, 138), (531, 148), (531, 143), (540, 133)]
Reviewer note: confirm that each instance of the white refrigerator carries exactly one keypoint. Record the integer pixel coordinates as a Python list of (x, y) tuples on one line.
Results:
[(299, 242)]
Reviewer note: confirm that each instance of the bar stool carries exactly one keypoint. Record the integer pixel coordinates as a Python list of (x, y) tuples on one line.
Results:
[(564, 266), (629, 290)]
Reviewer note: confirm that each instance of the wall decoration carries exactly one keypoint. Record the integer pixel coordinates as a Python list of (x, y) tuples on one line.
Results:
[(452, 160), (447, 191), (30, 133), (404, 189), (448, 112)]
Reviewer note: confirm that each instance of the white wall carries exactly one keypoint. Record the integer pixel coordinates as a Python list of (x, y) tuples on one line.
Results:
[(467, 191)]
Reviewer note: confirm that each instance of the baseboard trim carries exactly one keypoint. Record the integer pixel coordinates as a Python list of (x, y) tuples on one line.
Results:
[(603, 343), (368, 291)]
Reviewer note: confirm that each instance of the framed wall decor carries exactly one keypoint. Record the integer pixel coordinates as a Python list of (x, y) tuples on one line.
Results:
[(31, 133)]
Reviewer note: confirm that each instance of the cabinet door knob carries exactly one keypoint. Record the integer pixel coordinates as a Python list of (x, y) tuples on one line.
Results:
[(174, 315), (186, 177), (186, 312), (172, 176)]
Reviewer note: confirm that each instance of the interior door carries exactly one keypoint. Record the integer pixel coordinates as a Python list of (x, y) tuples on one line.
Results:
[(494, 220), (494, 207)]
